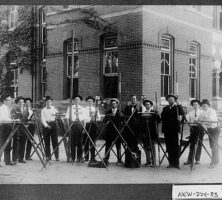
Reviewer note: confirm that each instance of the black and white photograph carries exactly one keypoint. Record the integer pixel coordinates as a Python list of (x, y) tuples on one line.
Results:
[(111, 94)]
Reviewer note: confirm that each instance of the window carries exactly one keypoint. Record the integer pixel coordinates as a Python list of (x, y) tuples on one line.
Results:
[(14, 81), (43, 43), (193, 69), (43, 34), (69, 59), (13, 17), (110, 65), (44, 79), (166, 57), (43, 17), (110, 57)]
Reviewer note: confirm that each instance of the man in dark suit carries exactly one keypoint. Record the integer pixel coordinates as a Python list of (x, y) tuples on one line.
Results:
[(134, 124), (19, 139), (149, 121), (113, 114), (171, 117), (31, 128)]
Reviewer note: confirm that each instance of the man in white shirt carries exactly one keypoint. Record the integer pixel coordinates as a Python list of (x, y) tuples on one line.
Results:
[(31, 128), (209, 119), (49, 128), (5, 127), (92, 115), (149, 132), (77, 117), (196, 135)]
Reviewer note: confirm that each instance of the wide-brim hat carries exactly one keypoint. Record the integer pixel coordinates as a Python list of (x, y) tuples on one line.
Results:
[(28, 99), (114, 99), (195, 101), (18, 99), (90, 97), (48, 98), (170, 95), (74, 96), (147, 100), (205, 101)]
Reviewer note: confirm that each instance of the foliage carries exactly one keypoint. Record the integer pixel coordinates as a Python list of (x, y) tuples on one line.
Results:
[(17, 44)]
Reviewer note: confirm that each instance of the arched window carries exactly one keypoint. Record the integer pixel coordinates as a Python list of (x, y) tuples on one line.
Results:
[(193, 69), (166, 64), (68, 56), (110, 64)]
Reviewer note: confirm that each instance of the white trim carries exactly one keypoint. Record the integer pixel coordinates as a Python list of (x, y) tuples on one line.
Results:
[(136, 10)]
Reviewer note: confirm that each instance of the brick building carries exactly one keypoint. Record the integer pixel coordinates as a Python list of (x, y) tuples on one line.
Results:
[(162, 49), (119, 50)]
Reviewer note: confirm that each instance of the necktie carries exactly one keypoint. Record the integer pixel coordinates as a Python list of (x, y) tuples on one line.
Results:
[(90, 112), (195, 113), (77, 111)]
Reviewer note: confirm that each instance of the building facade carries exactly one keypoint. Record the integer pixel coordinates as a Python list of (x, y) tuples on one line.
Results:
[(120, 50)]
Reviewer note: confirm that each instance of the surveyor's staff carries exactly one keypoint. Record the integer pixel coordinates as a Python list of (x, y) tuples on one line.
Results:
[(157, 128)]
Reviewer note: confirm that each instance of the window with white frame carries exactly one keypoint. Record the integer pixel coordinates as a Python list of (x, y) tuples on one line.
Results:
[(43, 34), (110, 57), (13, 17), (69, 59), (193, 69), (166, 56), (110, 65), (14, 79)]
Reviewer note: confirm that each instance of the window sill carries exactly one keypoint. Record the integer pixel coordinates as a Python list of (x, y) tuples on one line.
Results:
[(111, 74)]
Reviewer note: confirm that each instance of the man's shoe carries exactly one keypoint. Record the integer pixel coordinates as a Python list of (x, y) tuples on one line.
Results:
[(177, 166), (21, 161), (29, 158), (57, 159), (148, 163), (187, 163), (197, 162), (169, 166), (211, 166), (8, 163)]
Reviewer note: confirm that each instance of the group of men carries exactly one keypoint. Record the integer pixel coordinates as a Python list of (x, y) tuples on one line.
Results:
[(23, 113), (136, 124)]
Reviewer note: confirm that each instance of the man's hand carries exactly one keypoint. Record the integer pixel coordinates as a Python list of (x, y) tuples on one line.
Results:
[(49, 127)]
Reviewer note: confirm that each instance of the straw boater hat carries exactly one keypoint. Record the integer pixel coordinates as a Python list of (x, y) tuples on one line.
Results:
[(170, 95), (77, 96), (18, 99), (48, 98), (205, 101), (114, 99), (146, 100), (90, 97), (195, 101)]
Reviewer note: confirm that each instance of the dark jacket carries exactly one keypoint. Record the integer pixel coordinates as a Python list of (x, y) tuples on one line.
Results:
[(152, 118), (110, 129), (16, 113), (169, 117), (135, 118)]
